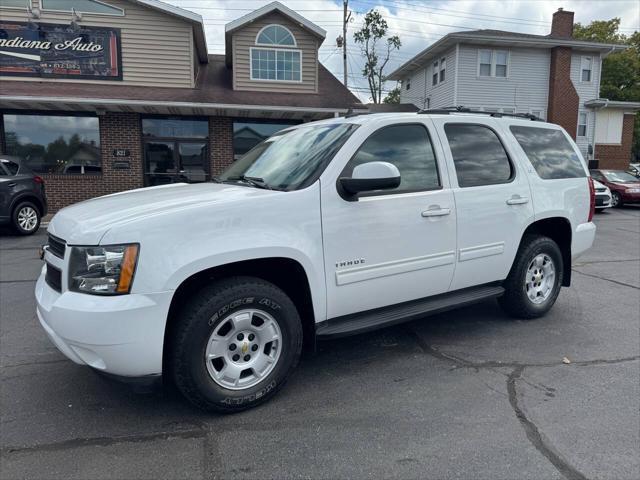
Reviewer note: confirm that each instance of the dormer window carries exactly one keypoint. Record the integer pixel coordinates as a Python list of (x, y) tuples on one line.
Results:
[(275, 35), (276, 63)]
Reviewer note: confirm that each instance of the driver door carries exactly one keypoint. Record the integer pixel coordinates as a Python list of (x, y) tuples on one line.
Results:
[(390, 246)]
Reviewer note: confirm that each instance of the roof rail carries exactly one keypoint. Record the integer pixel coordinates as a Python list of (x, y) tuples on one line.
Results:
[(354, 113), (461, 109)]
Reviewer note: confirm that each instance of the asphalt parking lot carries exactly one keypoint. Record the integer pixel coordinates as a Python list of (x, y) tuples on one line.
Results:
[(468, 394)]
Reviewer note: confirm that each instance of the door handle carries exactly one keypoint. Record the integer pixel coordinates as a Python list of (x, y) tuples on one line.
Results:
[(12, 184), (517, 200), (436, 211)]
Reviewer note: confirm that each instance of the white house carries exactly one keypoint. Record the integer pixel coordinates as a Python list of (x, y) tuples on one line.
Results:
[(554, 77)]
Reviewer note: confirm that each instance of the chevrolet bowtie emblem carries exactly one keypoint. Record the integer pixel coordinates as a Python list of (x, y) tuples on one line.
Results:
[(245, 348)]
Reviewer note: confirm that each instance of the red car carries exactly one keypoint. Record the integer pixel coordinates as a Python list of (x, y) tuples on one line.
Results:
[(625, 188)]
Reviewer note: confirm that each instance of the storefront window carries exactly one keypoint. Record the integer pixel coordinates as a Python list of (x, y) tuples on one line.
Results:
[(60, 144), (174, 128), (247, 135)]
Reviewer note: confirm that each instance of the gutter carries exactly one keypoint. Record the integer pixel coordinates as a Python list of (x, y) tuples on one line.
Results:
[(154, 103)]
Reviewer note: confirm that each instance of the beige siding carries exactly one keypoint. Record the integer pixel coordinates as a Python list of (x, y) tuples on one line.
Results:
[(157, 49), (245, 38)]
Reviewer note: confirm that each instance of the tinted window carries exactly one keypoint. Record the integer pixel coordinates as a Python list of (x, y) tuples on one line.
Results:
[(11, 167), (549, 152), (54, 143), (409, 148), (478, 155)]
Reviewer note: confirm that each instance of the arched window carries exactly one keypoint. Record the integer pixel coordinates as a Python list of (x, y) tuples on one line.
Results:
[(275, 35), (272, 60)]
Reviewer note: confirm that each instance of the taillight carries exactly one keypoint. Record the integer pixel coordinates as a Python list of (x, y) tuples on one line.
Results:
[(592, 199), (38, 179)]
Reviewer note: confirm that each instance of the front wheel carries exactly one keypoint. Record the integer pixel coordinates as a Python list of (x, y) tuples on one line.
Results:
[(534, 281), (616, 199), (236, 343)]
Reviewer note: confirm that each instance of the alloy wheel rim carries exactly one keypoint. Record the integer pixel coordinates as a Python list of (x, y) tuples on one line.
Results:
[(615, 199), (540, 279), (243, 349), (27, 218)]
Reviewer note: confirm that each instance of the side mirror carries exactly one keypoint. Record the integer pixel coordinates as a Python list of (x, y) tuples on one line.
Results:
[(371, 176)]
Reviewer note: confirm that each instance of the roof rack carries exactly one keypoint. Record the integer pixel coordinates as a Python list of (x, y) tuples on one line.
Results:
[(461, 109), (355, 113)]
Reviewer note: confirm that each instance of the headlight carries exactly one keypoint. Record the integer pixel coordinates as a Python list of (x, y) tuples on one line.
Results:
[(104, 270)]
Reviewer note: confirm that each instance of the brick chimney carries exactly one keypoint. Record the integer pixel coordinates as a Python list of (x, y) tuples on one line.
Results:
[(562, 24), (563, 101)]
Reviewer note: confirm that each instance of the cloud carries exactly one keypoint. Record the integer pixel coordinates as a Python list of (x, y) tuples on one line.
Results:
[(418, 23)]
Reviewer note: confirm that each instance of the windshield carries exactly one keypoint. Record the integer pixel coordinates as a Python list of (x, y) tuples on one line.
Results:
[(291, 159), (619, 176)]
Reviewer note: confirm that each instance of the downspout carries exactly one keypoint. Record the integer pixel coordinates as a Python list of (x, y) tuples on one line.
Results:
[(455, 78)]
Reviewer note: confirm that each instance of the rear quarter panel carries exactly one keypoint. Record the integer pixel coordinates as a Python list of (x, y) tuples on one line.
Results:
[(567, 197)]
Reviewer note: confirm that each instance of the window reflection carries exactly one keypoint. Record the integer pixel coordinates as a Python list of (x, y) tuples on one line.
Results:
[(247, 135), (61, 144), (478, 155), (409, 148), (549, 152)]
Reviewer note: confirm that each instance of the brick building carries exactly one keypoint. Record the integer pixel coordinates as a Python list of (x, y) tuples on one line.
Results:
[(119, 94), (555, 77)]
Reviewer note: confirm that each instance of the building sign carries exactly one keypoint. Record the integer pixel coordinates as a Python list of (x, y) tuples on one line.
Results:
[(121, 152), (60, 51)]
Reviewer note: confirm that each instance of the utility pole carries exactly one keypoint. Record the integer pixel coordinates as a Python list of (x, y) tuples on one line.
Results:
[(346, 16)]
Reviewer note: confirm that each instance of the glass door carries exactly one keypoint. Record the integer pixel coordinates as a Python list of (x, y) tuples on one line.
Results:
[(175, 150), (174, 162)]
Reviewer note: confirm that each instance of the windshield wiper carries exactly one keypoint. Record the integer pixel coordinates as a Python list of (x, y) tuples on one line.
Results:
[(253, 181)]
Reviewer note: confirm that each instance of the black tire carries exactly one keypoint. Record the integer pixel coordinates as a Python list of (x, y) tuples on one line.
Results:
[(616, 200), (515, 300), (20, 209), (207, 310)]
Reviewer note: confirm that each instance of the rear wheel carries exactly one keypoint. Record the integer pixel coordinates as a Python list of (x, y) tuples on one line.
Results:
[(534, 281), (236, 343), (616, 199), (26, 218)]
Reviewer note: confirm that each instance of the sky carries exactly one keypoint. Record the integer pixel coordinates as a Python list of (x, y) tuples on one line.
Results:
[(418, 23)]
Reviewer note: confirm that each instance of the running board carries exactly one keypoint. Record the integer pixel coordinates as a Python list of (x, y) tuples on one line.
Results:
[(403, 312)]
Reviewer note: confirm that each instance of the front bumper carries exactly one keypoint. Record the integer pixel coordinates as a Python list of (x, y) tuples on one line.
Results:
[(121, 335), (603, 200)]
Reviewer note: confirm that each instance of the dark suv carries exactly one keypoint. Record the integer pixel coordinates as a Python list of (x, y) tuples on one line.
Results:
[(22, 199)]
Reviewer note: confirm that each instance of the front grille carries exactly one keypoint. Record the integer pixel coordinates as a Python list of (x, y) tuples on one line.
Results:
[(57, 246), (54, 277), (601, 190)]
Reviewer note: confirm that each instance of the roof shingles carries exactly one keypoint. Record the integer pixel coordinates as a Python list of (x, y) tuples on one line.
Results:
[(214, 86)]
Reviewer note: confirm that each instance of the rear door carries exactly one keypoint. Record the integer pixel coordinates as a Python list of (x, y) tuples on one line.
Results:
[(492, 196)]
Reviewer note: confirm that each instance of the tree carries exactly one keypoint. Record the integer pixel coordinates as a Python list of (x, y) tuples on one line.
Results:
[(620, 79), (393, 96), (372, 38)]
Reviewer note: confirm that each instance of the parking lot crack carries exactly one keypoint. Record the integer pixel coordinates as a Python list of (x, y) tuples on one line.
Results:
[(606, 279), (533, 433), (196, 432)]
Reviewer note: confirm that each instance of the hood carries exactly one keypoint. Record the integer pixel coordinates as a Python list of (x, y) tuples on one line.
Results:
[(85, 223)]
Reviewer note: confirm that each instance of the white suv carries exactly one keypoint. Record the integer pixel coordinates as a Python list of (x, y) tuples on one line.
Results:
[(325, 229)]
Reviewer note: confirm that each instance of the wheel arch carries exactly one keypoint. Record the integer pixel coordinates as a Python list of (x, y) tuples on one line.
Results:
[(286, 273), (27, 197), (559, 230)]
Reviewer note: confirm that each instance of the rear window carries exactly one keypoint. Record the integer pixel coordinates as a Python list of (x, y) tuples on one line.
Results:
[(549, 151), (11, 167)]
